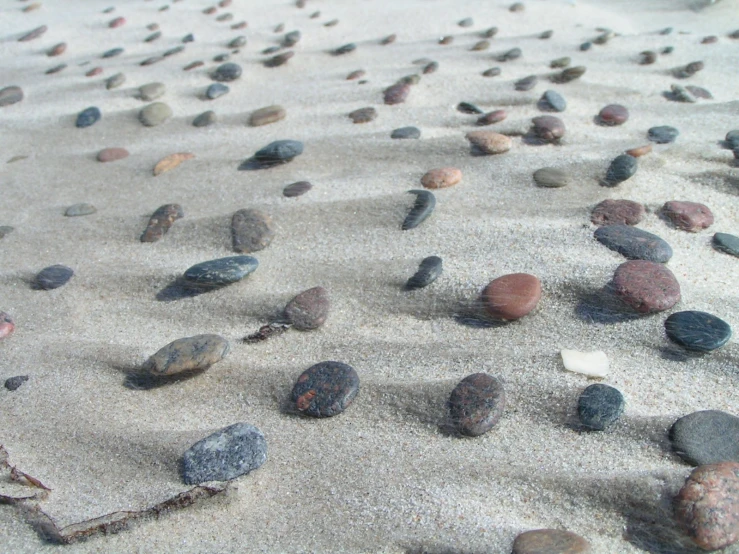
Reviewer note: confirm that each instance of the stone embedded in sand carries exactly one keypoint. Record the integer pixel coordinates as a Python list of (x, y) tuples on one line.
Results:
[(706, 437), (550, 541), (559, 63), (429, 270), (622, 168), (350, 47), (151, 91), (634, 243), (707, 506), (112, 154), (155, 114), (80, 209), (512, 54), (613, 212), (221, 272), (5, 230), (269, 114), (112, 53), (569, 74), (10, 95), (88, 117), (551, 177), (397, 93), (646, 286), (279, 151), (726, 242), (160, 222), (363, 115), (117, 22), (251, 231), (600, 406), (224, 455), (309, 309), (56, 69), (115, 81), (552, 100), (216, 90), (422, 208), (548, 128), (325, 389), (613, 114), (37, 32), (492, 72), (196, 353), (168, 163), (476, 404), (54, 276), (227, 72), (488, 142), (511, 296), (688, 216), (592, 364), (406, 133), (441, 178), (154, 36), (94, 72), (7, 325), (662, 134), (699, 331), (357, 74), (14, 383), (239, 41), (205, 119), (430, 67), (490, 118), (640, 151), (296, 189), (527, 83), (279, 59)]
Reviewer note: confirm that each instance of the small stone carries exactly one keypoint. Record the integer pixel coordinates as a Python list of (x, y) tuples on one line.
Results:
[(32, 7), (188, 354), (173, 51), (112, 53), (592, 364), (466, 107), (490, 118), (160, 222), (153, 26), (225, 17), (331, 23), (546, 35), (732, 138), (640, 151), (527, 83), (14, 383), (57, 49), (488, 142), (551, 177), (489, 33), (600, 406), (5, 230), (53, 277), (512, 54), (725, 242), (152, 60), (480, 45), (553, 101), (706, 437), (647, 57), (167, 163), (550, 541), (297, 189), (279, 59), (221, 272), (680, 94), (7, 325), (409, 80), (511, 296), (154, 36), (325, 389), (698, 331), (363, 115), (237, 42), (441, 178), (406, 133), (56, 69), (205, 119), (251, 231), (155, 114), (280, 151), (492, 72), (88, 117), (216, 90), (422, 208), (466, 22), (94, 72), (267, 115), (585, 46), (708, 505), (222, 58), (239, 25), (114, 81), (688, 70), (613, 212), (622, 168), (188, 38), (698, 92), (291, 39), (81, 209), (548, 128), (309, 309), (388, 39), (647, 287), (734, 34), (224, 455), (688, 216), (37, 32), (427, 273), (345, 49), (613, 114), (663, 134), (560, 62), (117, 22), (446, 40), (10, 95), (569, 74), (227, 72), (396, 94), (152, 91), (112, 154), (476, 404), (517, 7), (359, 73)]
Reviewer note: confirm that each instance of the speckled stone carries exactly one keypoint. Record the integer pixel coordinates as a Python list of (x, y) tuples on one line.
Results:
[(550, 541), (88, 117), (224, 455), (688, 216), (112, 154), (205, 119), (698, 331), (489, 142), (663, 134), (251, 231), (7, 325), (548, 128), (600, 406), (613, 114), (309, 309), (406, 133), (267, 115), (397, 93), (622, 168), (188, 354), (296, 189), (221, 272), (325, 389), (80, 209), (634, 243), (441, 178), (647, 287), (14, 383), (363, 115), (10, 95), (160, 222), (551, 177), (155, 114), (553, 100), (476, 404), (511, 296), (54, 277), (724, 242), (151, 91), (706, 437), (422, 208), (279, 151), (226, 72), (613, 212), (216, 90), (429, 270)]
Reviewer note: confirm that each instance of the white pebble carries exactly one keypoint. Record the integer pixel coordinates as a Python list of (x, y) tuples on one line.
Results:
[(593, 364)]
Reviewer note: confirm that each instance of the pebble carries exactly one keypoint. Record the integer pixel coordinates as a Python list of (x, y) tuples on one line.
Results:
[(413, 79), (569, 74), (173, 51), (441, 178), (699, 92), (117, 22), (592, 364), (112, 154), (612, 212), (445, 40), (205, 119), (114, 81), (406, 133), (732, 138), (688, 216), (37, 32), (517, 7), (53, 277), (511, 296), (112, 53), (216, 90), (251, 231), (466, 22), (345, 49), (279, 59), (188, 38), (363, 115), (309, 309), (707, 506), (10, 95), (238, 42), (725, 242), (698, 331), (222, 58), (160, 222), (267, 115), (431, 67), (81, 209), (325, 389), (466, 107), (663, 134), (422, 208), (550, 541), (560, 62), (297, 189), (488, 142), (613, 114), (427, 273), (227, 72), (279, 151), (647, 287), (600, 406), (551, 177), (359, 73), (397, 94), (476, 404), (188, 354), (622, 168), (56, 69), (331, 23), (5, 230), (688, 70), (480, 45), (7, 325), (154, 36), (221, 272), (14, 383), (492, 72), (152, 60), (548, 128), (94, 72), (496, 116), (167, 163), (647, 57), (640, 151), (680, 94), (633, 243), (527, 83), (490, 33), (553, 100), (224, 455), (155, 114), (585, 46), (512, 54), (57, 49), (88, 117), (706, 437), (151, 91)]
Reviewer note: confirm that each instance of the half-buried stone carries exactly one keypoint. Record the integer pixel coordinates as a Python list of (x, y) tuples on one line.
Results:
[(698, 331), (688, 216), (267, 115), (548, 128), (476, 404), (325, 389), (622, 168), (80, 209), (489, 142), (551, 100), (227, 72), (429, 270), (551, 177), (706, 437), (422, 208), (160, 222), (600, 406), (220, 272), (279, 151), (406, 133), (54, 276), (309, 309), (151, 91), (663, 134), (363, 115), (633, 243), (613, 212), (550, 541), (187, 355), (10, 95), (216, 90), (511, 296), (155, 114), (251, 231), (205, 119), (725, 242), (647, 287), (441, 178), (224, 455), (88, 117), (298, 188)]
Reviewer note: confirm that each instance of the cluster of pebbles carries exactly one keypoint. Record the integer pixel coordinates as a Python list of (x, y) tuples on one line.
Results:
[(707, 506)]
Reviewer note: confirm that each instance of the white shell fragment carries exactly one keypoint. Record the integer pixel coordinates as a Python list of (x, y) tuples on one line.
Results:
[(593, 364)]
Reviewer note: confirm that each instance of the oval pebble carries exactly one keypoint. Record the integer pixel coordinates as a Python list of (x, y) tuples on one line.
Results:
[(279, 151), (548, 128), (422, 208), (550, 541), (633, 243), (297, 189), (622, 168), (224, 455), (732, 138), (492, 72), (10, 95), (112, 53), (428, 272), (267, 115), (724, 242), (114, 81), (57, 49), (509, 55), (476, 404), (80, 209), (406, 133), (613, 114), (527, 83), (511, 296), (188, 354), (155, 114), (551, 177), (37, 32), (488, 142), (663, 134), (698, 331), (350, 47), (14, 383), (569, 74), (160, 222), (496, 116), (216, 90), (112, 154), (251, 231), (221, 272), (363, 115), (397, 94), (151, 91), (309, 309), (54, 276), (706, 437), (88, 117), (600, 406), (640, 151), (227, 72), (441, 178), (325, 389), (646, 286), (688, 216), (552, 100), (7, 325), (205, 119), (466, 107), (240, 41)]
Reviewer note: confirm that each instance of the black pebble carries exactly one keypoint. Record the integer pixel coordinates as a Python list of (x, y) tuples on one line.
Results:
[(726, 243), (54, 277), (706, 437), (427, 273), (88, 117), (622, 168), (406, 133), (422, 208), (279, 151), (633, 243), (600, 406), (663, 134), (325, 389), (699, 331), (466, 107), (15, 382)]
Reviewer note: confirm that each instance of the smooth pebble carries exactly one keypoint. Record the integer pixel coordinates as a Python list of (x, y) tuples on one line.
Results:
[(251, 231), (600, 406), (406, 133), (88, 117), (155, 114), (428, 271), (422, 208), (551, 177), (511, 296), (325, 389), (309, 309), (54, 276), (476, 404), (634, 243), (220, 272), (706, 437), (160, 222), (688, 216), (188, 354), (699, 331), (80, 209), (647, 287)]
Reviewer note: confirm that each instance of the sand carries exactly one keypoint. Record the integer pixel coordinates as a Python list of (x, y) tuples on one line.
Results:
[(386, 475)]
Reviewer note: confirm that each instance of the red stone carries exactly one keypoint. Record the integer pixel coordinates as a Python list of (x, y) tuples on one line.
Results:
[(612, 212), (511, 296), (688, 216), (548, 127), (397, 94), (7, 326), (647, 287), (441, 178), (492, 117), (117, 22)]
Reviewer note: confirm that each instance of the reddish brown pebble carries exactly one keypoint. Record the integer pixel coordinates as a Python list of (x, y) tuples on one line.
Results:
[(193, 65), (476, 404), (57, 50), (94, 71), (240, 25), (297, 189), (646, 286), (224, 3), (613, 212), (613, 114), (32, 7), (397, 94), (117, 22), (709, 40), (441, 178), (363, 115), (112, 154), (548, 127), (488, 142), (446, 40), (688, 216), (492, 117), (550, 541), (160, 222), (7, 326), (210, 11), (708, 505), (640, 151), (309, 309), (389, 39), (37, 32), (511, 296), (355, 74)]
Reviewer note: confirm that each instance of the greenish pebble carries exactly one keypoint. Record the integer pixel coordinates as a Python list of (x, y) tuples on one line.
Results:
[(80, 209), (726, 243), (551, 177), (152, 91), (115, 81), (205, 119), (155, 114)]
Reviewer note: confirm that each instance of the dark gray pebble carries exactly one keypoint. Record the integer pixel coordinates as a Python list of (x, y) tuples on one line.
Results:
[(732, 138), (345, 49), (699, 331), (476, 404), (56, 69), (291, 39), (466, 107), (251, 231), (227, 72), (569, 74), (54, 277), (154, 36), (726, 243), (363, 115), (512, 54), (14, 383), (489, 33), (205, 119), (237, 42), (706, 437), (325, 389), (622, 167), (466, 22), (216, 90), (634, 243), (222, 58), (427, 273), (221, 272), (406, 133), (492, 72), (309, 309), (663, 134), (600, 406), (527, 83), (10, 95), (585, 46), (5, 230), (173, 51), (552, 100), (297, 189), (115, 81), (188, 38), (112, 53), (88, 117), (279, 151), (422, 208)]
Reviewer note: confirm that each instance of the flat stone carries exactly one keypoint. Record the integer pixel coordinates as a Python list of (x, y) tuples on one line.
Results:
[(221, 272), (489, 142), (640, 151), (492, 72), (188, 354), (688, 216), (732, 138), (154, 36), (224, 455), (227, 72), (350, 47), (551, 177), (550, 541), (269, 114), (569, 74), (600, 406), (511, 296), (724, 242), (592, 364), (54, 276), (397, 93), (114, 81), (112, 53), (622, 168), (88, 117), (509, 55), (205, 119), (83, 208), (422, 208), (527, 83), (155, 114), (491, 118), (467, 107), (151, 91), (406, 133), (706, 437), (251, 231), (7, 325), (279, 151), (647, 287), (698, 331), (14, 383), (297, 189), (160, 222), (290, 39), (309, 309), (613, 212), (441, 178), (663, 134), (5, 230), (613, 114), (279, 59), (10, 95), (633, 243), (216, 90), (240, 41), (37, 32), (559, 63), (112, 154), (428, 272), (56, 69), (325, 389), (363, 115), (548, 128), (554, 101), (708, 505), (476, 404)]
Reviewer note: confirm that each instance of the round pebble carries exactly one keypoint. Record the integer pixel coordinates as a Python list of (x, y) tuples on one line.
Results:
[(112, 154), (88, 117), (151, 91), (663, 134), (363, 115), (698, 331), (80, 209), (54, 277), (476, 404), (251, 231), (600, 406), (14, 383), (428, 272), (688, 216), (441, 178), (267, 115), (221, 272), (325, 389), (227, 72), (309, 309), (511, 296), (240, 41), (550, 541), (622, 168), (548, 128), (422, 208), (406, 133), (397, 93), (10, 95), (279, 151), (297, 189), (554, 101), (155, 114), (7, 325), (216, 90), (488, 142), (551, 177), (205, 119), (633, 243), (725, 242), (188, 354), (613, 114), (706, 437), (646, 286)]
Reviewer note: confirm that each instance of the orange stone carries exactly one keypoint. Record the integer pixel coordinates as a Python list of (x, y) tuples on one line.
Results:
[(441, 178), (511, 296)]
